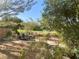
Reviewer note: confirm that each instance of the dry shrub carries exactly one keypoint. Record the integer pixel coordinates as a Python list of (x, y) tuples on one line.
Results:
[(38, 50), (4, 33)]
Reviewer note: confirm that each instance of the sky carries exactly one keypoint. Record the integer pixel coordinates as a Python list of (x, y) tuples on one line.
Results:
[(35, 12)]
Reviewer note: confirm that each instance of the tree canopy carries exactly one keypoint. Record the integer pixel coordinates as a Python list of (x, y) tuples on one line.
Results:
[(12, 7), (11, 19), (63, 16)]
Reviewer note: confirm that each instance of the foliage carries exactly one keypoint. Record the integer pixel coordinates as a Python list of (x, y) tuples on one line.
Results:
[(32, 26), (11, 22), (62, 16), (5, 34), (23, 54), (38, 51), (9, 33), (45, 25), (14, 19), (13, 7)]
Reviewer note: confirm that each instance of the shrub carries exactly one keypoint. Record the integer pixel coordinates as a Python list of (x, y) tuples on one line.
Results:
[(38, 50)]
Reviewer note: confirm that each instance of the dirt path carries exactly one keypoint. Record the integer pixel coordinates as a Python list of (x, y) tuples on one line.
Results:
[(11, 50)]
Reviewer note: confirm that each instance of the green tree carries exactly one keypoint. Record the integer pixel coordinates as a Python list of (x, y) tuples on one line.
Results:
[(13, 7), (63, 16), (32, 25), (14, 19), (11, 22)]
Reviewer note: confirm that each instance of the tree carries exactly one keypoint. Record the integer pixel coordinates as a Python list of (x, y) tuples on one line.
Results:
[(46, 24), (11, 22), (63, 16), (13, 7), (13, 19), (32, 25)]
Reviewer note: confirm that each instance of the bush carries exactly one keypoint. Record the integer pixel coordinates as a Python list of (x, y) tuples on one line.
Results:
[(38, 50), (8, 34)]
